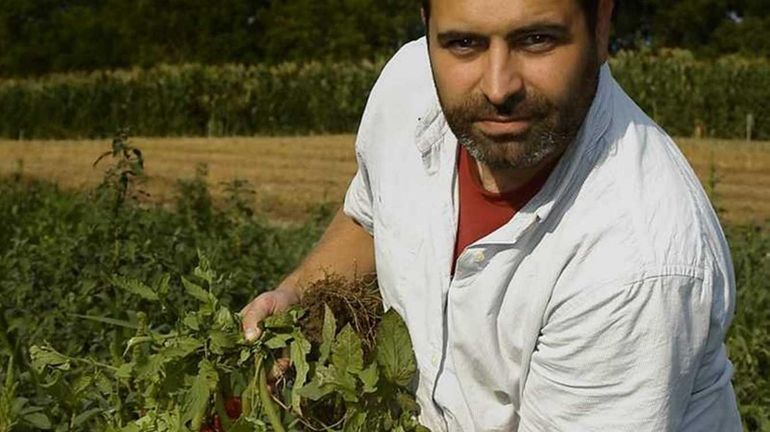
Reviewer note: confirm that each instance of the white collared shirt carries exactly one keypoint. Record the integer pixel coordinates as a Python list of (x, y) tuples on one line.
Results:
[(601, 306)]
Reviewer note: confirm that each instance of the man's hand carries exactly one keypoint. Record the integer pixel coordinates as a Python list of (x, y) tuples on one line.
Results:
[(263, 306), (345, 249)]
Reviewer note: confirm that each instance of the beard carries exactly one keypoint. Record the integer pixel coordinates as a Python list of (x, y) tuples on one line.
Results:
[(552, 126)]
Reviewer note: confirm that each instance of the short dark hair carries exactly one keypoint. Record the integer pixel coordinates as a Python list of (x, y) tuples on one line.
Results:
[(590, 7)]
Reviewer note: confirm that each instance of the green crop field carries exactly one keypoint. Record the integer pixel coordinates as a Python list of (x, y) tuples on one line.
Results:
[(118, 308)]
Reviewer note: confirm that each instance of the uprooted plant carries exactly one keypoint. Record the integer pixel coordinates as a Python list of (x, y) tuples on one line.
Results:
[(199, 374)]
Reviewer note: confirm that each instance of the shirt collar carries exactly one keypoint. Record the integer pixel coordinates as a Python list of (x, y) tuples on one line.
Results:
[(582, 155), (432, 136)]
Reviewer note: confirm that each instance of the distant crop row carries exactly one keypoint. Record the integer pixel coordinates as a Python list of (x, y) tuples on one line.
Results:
[(687, 97)]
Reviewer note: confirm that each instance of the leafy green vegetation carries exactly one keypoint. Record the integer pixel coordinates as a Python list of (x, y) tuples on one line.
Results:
[(114, 320), (44, 36), (119, 316), (686, 96)]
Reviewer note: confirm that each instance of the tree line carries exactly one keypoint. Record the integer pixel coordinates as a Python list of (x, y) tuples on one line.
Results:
[(43, 36)]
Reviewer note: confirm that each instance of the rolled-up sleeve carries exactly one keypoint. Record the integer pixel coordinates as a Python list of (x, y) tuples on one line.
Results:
[(619, 358), (358, 199)]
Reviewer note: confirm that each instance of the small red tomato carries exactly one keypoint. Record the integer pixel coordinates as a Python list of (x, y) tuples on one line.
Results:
[(233, 407), (206, 428)]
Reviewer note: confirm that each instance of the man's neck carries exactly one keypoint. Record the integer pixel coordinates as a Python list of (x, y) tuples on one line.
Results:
[(504, 180)]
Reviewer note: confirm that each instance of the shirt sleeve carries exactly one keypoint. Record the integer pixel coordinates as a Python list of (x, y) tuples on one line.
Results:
[(619, 358), (358, 199)]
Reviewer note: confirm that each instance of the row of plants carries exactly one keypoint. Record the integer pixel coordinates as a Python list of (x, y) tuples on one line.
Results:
[(686, 96), (115, 319), (119, 316)]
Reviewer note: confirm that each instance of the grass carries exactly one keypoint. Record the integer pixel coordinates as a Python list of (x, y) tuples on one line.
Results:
[(291, 175)]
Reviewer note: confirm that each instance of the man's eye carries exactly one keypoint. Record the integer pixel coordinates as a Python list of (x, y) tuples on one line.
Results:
[(463, 45), (538, 42)]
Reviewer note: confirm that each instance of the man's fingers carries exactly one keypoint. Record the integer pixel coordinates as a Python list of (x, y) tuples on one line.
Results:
[(253, 314)]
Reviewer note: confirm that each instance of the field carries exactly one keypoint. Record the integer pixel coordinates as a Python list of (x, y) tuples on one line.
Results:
[(135, 328), (292, 174)]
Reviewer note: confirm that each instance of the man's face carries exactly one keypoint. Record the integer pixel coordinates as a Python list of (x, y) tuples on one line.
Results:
[(515, 77)]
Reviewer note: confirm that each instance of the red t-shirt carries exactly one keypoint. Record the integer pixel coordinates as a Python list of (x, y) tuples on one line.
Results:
[(482, 212)]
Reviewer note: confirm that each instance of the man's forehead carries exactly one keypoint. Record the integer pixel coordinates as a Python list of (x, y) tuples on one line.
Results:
[(480, 15)]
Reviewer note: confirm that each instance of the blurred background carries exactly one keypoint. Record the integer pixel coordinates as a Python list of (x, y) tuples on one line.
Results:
[(43, 36)]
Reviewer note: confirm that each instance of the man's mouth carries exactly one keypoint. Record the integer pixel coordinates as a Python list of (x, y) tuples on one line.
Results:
[(496, 126)]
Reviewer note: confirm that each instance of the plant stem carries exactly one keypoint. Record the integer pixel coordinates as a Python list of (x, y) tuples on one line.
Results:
[(219, 405), (267, 401)]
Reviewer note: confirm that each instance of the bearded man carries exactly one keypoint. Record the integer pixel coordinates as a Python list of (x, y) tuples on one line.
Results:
[(556, 261)]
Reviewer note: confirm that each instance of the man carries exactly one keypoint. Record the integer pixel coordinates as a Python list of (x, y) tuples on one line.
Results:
[(553, 255)]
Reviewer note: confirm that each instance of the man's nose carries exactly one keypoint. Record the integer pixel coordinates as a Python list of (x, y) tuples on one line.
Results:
[(501, 79)]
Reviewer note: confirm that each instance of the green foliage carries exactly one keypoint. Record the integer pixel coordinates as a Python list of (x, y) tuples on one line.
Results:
[(45, 36), (189, 100), (681, 93), (114, 320), (175, 376), (684, 95), (748, 341), (134, 330), (84, 279)]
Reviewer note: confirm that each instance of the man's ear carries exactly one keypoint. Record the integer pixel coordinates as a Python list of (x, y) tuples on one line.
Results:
[(603, 22)]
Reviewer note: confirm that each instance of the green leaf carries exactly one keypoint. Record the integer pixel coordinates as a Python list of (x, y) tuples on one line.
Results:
[(369, 378), (135, 287), (328, 380), (244, 356), (279, 321), (407, 403), (124, 371), (222, 341), (46, 356), (224, 319), (356, 421), (81, 383), (203, 270), (347, 353), (328, 332), (200, 393), (300, 348), (181, 347), (191, 321), (314, 391), (85, 416), (329, 377), (103, 384), (38, 420), (394, 349), (17, 405), (278, 340), (195, 290), (151, 368), (163, 286)]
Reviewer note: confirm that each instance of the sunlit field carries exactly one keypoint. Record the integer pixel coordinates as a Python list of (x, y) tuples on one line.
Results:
[(292, 174)]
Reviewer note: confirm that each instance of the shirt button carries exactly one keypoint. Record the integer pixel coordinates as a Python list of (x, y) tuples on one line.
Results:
[(479, 257), (434, 360)]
